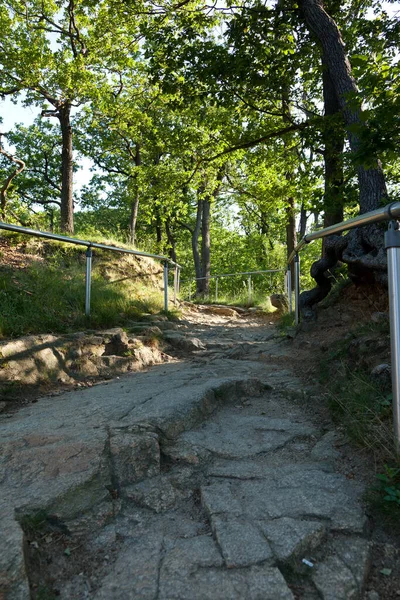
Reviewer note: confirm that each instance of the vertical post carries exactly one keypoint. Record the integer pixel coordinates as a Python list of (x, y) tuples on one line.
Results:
[(179, 279), (175, 282), (289, 288), (249, 288), (297, 289), (190, 290), (165, 286), (216, 290), (89, 255), (392, 244)]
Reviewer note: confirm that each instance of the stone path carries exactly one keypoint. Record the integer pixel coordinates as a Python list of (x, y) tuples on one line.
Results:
[(200, 479)]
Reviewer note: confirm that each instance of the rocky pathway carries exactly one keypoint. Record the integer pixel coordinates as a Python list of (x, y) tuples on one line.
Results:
[(199, 479)]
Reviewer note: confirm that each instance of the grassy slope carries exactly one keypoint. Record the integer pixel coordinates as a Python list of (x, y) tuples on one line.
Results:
[(42, 288)]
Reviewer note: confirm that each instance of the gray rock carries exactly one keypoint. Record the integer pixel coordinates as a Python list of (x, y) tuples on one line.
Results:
[(192, 571), (342, 575), (280, 301), (134, 456), (218, 499), (324, 448), (239, 436), (241, 543), (290, 538), (189, 344), (157, 494), (134, 575)]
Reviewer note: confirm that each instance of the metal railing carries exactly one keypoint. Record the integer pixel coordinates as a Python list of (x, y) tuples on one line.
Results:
[(89, 254), (391, 213), (221, 275)]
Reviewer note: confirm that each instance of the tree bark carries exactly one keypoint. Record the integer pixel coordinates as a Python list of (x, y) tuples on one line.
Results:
[(371, 180), (205, 246), (4, 188), (195, 246), (67, 203), (135, 202), (170, 240)]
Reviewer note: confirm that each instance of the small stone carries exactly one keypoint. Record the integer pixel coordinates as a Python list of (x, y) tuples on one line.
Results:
[(134, 456)]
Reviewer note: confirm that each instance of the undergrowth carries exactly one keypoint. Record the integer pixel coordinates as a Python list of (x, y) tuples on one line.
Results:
[(48, 294), (363, 407)]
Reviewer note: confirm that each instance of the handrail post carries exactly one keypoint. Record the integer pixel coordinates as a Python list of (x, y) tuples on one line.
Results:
[(190, 290), (88, 281), (166, 286), (216, 290), (289, 288), (179, 279), (297, 288), (249, 289), (392, 244)]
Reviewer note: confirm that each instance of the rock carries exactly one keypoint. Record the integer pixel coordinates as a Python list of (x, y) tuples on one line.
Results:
[(382, 372), (118, 344), (342, 575), (134, 574), (379, 317), (241, 543), (157, 494), (280, 301), (216, 309), (134, 456), (189, 344), (324, 448), (3, 406), (290, 538), (219, 499), (192, 571)]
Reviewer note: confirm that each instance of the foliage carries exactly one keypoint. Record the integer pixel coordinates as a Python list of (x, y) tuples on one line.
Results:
[(389, 485)]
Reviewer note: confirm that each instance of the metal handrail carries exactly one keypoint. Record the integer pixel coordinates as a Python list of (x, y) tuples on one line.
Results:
[(231, 275), (217, 277), (90, 245), (391, 213)]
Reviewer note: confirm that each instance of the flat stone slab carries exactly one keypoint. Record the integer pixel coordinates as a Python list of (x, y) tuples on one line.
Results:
[(342, 575), (290, 538), (193, 570), (242, 544), (238, 436)]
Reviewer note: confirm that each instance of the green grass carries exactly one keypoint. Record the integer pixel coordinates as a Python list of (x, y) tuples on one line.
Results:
[(49, 296)]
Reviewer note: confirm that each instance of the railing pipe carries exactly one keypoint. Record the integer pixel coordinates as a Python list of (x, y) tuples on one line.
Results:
[(297, 288), (166, 286), (78, 242), (385, 213), (392, 244), (89, 255)]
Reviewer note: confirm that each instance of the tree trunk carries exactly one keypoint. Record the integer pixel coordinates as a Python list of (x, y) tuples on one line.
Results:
[(133, 218), (170, 239), (135, 202), (205, 247), (371, 180), (291, 237), (363, 250), (195, 246), (67, 203), (303, 221)]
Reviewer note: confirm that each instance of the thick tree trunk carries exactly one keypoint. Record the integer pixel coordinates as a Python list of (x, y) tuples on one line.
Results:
[(371, 180), (291, 237), (67, 164), (205, 247), (363, 248), (195, 246)]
